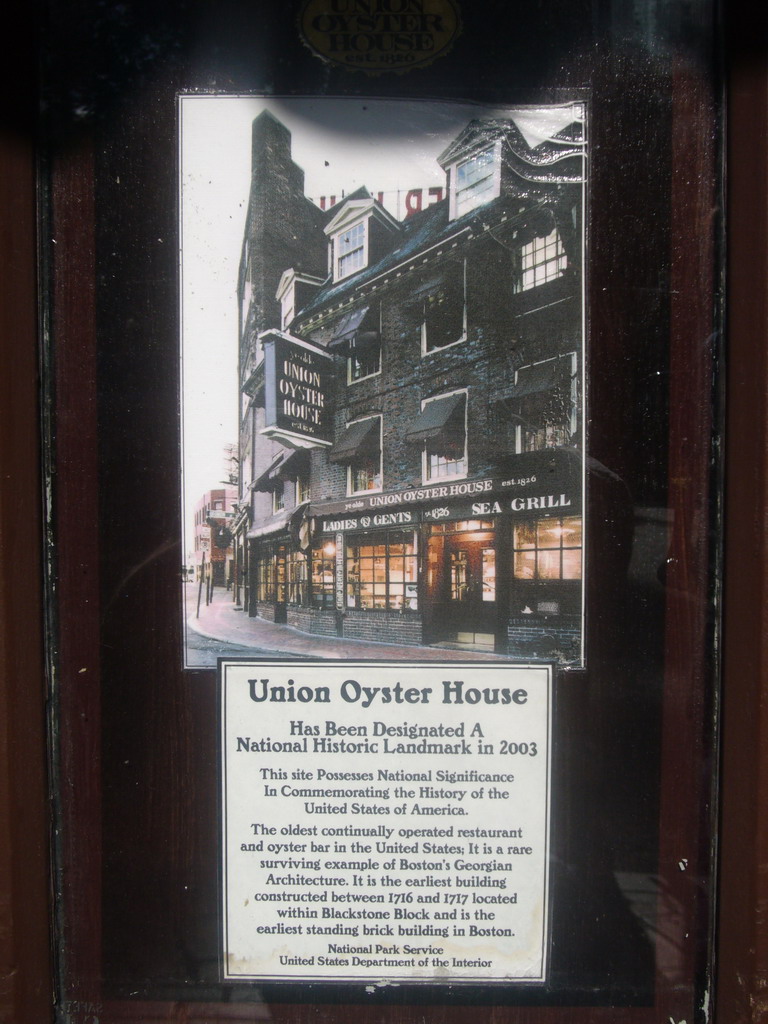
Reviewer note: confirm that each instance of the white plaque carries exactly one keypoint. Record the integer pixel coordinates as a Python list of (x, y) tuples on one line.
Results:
[(385, 822)]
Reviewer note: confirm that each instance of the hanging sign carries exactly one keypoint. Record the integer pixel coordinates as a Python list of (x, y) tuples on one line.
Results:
[(297, 384)]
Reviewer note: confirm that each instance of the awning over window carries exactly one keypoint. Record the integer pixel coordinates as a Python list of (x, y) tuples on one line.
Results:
[(355, 331), (439, 416), (532, 380), (359, 439), (270, 478), (294, 464)]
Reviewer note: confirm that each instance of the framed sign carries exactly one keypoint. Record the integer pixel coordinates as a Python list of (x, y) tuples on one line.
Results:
[(382, 454)]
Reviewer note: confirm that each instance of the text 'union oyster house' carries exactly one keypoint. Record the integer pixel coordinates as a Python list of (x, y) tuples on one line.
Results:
[(411, 418)]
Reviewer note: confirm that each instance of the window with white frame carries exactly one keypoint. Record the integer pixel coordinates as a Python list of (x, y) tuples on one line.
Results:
[(364, 469), (541, 260), (350, 250), (547, 395), (363, 361), (364, 474), (477, 180), (278, 499), (444, 320), (302, 488), (445, 446)]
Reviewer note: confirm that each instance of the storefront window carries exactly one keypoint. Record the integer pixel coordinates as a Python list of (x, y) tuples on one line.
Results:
[(281, 573), (323, 572), (548, 549), (489, 574), (463, 526), (265, 576), (382, 571), (296, 572)]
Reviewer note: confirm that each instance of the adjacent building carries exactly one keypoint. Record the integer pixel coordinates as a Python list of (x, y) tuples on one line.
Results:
[(212, 536), (411, 431)]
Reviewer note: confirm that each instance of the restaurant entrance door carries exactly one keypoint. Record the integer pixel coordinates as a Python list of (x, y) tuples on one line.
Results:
[(461, 584)]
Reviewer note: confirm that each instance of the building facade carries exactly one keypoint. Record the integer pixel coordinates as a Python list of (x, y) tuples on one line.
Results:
[(411, 444), (212, 536)]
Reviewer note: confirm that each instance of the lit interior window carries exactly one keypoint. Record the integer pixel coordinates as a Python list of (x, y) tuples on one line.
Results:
[(548, 549)]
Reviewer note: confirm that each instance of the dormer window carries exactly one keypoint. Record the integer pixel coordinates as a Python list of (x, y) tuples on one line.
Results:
[(350, 249), (359, 234), (475, 180), (293, 293)]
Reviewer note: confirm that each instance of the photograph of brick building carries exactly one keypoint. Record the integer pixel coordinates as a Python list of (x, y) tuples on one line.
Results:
[(411, 406), (212, 538)]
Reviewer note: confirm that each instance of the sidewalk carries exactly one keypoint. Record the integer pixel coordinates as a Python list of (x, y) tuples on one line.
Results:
[(221, 621)]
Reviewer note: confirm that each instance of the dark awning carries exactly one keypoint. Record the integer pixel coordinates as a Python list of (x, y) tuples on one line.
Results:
[(355, 330), (270, 478), (294, 464), (438, 416), (361, 438), (532, 380)]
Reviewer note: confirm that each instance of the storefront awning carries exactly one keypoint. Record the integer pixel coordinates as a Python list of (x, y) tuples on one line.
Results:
[(438, 416), (533, 380), (359, 439), (278, 525)]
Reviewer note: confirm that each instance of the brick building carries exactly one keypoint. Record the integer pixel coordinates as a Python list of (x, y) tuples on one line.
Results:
[(412, 417), (212, 536)]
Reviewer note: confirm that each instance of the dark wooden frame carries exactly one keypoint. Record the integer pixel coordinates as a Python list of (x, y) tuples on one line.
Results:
[(742, 963)]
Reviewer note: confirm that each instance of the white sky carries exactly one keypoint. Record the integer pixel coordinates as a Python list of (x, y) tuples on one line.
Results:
[(340, 144)]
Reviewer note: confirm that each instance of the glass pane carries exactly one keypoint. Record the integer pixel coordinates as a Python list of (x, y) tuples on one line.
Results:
[(525, 535), (549, 565), (572, 532), (550, 533), (572, 564), (489, 574), (525, 565)]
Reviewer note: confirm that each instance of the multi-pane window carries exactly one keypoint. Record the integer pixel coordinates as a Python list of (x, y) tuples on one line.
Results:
[(278, 499), (296, 577), (548, 549), (541, 260), (323, 574), (365, 474), (445, 453), (440, 465), (382, 571), (489, 574), (350, 250), (265, 576), (477, 181)]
